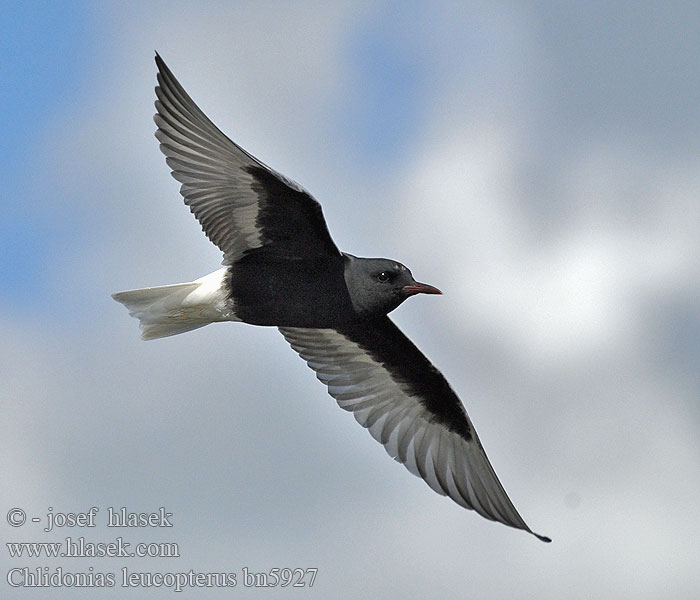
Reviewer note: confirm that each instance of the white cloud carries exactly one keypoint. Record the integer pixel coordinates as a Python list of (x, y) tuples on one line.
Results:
[(548, 330), (556, 298)]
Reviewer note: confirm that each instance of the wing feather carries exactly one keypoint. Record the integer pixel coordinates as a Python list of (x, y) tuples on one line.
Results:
[(409, 409), (242, 204)]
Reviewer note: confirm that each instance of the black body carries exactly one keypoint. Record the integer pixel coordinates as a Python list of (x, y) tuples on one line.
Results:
[(267, 289)]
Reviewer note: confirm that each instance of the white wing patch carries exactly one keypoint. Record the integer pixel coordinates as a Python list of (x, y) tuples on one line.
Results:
[(396, 418)]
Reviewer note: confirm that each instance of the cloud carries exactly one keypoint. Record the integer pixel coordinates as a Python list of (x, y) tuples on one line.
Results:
[(567, 249)]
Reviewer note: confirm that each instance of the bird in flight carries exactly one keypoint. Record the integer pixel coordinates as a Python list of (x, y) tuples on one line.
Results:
[(282, 269)]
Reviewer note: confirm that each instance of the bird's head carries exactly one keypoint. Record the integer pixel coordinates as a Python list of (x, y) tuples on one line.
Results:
[(378, 285)]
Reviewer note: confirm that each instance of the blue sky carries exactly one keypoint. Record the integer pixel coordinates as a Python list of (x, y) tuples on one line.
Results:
[(536, 161), (386, 65), (46, 50)]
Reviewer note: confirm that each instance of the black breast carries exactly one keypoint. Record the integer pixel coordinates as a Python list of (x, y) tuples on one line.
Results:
[(290, 292)]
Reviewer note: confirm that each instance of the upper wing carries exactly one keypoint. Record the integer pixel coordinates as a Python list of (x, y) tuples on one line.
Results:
[(241, 203), (393, 390)]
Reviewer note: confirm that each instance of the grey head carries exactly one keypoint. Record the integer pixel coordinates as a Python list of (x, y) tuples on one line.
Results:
[(378, 285)]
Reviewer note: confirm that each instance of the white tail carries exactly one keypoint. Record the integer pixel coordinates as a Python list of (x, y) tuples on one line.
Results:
[(172, 309)]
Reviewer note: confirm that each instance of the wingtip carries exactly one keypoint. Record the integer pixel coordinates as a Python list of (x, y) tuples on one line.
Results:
[(543, 538)]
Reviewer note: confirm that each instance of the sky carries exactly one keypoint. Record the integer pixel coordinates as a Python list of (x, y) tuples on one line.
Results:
[(539, 162)]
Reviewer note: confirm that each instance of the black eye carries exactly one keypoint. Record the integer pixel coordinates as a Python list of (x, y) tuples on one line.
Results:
[(383, 276)]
